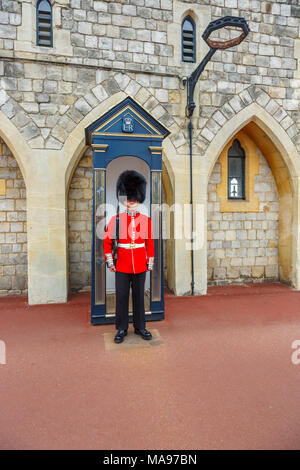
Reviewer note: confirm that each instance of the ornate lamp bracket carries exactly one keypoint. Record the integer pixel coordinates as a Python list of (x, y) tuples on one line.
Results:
[(214, 45)]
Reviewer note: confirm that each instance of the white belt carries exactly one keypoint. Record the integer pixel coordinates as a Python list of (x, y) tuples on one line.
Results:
[(131, 245)]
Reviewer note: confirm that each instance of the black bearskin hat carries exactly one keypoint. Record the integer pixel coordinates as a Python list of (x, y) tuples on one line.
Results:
[(133, 185)]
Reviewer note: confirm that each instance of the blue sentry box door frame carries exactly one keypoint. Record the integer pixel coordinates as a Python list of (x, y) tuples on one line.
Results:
[(125, 130)]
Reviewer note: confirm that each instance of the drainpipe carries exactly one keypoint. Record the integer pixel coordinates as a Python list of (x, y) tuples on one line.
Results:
[(190, 128), (190, 83)]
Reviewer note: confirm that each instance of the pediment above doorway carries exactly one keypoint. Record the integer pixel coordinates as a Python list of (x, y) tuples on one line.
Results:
[(126, 120)]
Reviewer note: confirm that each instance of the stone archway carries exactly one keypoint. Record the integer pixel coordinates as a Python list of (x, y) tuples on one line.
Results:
[(283, 160), (244, 239), (74, 151), (16, 143), (48, 279), (14, 163), (13, 226)]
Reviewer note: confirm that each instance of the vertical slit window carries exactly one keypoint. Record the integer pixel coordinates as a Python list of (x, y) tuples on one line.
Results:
[(236, 171), (44, 23), (188, 40)]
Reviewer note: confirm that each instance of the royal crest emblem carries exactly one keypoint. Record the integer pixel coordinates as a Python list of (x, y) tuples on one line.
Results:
[(128, 124)]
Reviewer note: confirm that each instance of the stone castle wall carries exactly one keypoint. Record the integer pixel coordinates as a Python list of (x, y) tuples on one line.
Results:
[(131, 46), (106, 50)]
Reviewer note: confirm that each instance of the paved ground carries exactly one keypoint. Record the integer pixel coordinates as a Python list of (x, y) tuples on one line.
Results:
[(219, 375)]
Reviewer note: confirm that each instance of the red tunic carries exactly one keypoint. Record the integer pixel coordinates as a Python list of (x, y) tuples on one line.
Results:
[(135, 228)]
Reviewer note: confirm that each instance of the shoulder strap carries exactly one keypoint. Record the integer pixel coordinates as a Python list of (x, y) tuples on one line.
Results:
[(117, 225)]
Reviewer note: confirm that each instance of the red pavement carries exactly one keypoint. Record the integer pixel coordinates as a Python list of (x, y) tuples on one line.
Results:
[(222, 379)]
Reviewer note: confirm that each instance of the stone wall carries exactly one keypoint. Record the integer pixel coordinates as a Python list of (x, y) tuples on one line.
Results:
[(13, 236), (243, 246), (120, 32), (127, 46)]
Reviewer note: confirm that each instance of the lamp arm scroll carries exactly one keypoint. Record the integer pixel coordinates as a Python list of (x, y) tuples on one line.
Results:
[(193, 79)]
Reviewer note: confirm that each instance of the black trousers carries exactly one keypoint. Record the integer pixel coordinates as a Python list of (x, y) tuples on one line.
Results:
[(123, 283)]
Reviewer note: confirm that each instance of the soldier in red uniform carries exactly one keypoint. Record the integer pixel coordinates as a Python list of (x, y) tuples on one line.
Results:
[(135, 253)]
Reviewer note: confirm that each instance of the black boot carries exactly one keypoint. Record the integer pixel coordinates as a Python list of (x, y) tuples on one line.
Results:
[(120, 336), (145, 334)]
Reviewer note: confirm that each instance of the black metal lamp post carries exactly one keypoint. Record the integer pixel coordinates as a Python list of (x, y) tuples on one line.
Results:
[(233, 21)]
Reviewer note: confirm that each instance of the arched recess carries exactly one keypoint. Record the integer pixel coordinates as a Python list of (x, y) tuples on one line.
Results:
[(74, 153), (16, 143), (283, 159), (13, 210), (75, 149), (75, 145)]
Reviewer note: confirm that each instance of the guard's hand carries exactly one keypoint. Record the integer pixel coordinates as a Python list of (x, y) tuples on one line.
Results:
[(112, 268)]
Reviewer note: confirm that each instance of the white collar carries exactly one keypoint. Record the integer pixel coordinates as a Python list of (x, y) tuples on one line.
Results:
[(131, 212)]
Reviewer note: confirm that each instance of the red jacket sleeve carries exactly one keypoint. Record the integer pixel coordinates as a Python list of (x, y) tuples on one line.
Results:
[(107, 241), (149, 242)]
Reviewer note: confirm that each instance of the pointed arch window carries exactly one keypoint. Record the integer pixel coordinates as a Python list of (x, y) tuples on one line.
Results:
[(44, 33), (188, 37), (236, 171)]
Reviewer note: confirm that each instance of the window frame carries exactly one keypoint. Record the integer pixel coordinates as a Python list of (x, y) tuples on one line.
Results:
[(192, 22), (242, 157), (38, 23)]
